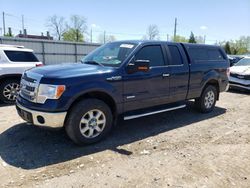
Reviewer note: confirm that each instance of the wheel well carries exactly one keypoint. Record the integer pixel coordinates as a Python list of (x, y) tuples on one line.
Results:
[(11, 76), (101, 96), (214, 83)]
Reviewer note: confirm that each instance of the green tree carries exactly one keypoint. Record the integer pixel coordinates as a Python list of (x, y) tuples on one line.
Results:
[(238, 47), (192, 38), (73, 35), (76, 29), (179, 38), (227, 48)]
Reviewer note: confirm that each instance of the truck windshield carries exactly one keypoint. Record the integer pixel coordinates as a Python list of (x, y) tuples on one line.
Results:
[(110, 54)]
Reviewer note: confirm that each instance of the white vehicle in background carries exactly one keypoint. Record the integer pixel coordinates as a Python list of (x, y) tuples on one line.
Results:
[(14, 60), (240, 74)]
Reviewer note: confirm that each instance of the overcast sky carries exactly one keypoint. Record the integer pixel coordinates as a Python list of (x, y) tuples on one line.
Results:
[(128, 19)]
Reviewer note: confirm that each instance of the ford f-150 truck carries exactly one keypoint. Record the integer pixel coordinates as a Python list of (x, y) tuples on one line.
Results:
[(129, 79)]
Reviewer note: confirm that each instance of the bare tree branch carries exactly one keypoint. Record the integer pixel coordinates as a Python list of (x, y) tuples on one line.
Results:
[(57, 26), (152, 32)]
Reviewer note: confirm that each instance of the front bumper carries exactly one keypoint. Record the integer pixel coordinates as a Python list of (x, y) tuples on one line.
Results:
[(47, 119), (239, 83)]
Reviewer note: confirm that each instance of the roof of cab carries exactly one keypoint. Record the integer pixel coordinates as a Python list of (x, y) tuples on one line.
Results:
[(168, 42)]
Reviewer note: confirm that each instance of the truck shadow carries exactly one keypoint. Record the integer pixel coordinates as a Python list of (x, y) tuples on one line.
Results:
[(30, 147)]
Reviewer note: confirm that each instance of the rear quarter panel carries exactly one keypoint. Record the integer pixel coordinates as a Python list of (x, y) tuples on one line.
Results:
[(204, 71)]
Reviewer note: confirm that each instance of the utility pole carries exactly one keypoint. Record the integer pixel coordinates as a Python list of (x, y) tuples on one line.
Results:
[(3, 24), (175, 25), (104, 37), (23, 23), (204, 39), (167, 37), (91, 35)]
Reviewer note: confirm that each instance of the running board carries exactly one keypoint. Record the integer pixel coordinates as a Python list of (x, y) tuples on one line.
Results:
[(153, 112)]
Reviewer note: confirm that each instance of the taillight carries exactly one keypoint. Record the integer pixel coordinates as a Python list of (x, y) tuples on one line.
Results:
[(228, 72), (39, 64)]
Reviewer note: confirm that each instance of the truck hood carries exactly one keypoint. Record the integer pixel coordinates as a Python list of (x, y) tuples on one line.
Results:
[(67, 70), (243, 70)]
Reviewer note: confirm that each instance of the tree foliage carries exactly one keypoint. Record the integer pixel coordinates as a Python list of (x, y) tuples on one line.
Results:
[(152, 32), (237, 47), (73, 30), (192, 38), (73, 35), (179, 38), (227, 48), (56, 25), (77, 27)]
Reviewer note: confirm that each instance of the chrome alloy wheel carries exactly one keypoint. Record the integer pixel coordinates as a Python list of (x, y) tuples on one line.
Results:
[(11, 91), (92, 123), (209, 99)]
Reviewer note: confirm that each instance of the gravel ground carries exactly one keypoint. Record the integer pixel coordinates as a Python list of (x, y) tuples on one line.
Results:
[(181, 148)]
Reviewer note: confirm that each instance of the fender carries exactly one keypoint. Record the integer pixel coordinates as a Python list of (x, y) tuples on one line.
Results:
[(209, 76), (97, 86)]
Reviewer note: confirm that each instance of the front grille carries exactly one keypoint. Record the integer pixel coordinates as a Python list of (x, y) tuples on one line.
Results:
[(239, 76), (29, 85)]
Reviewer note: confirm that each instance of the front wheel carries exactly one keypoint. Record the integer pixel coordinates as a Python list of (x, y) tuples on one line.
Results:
[(206, 102), (89, 121), (9, 90)]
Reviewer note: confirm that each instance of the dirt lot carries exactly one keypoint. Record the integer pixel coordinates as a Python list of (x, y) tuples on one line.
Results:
[(177, 149)]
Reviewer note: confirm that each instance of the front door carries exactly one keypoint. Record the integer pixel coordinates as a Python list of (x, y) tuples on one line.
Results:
[(145, 89)]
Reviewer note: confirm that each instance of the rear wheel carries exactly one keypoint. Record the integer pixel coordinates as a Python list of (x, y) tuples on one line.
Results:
[(9, 90), (207, 100), (89, 121)]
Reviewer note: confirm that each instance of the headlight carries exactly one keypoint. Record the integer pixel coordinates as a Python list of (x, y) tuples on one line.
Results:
[(46, 91)]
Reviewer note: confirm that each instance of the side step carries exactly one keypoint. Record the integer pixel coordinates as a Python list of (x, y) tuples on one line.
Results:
[(153, 112)]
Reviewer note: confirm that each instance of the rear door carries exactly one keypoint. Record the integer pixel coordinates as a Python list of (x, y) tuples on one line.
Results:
[(145, 89), (179, 72)]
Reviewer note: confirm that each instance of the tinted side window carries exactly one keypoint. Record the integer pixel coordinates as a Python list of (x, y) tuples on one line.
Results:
[(215, 54), (19, 56), (151, 53), (198, 54), (175, 54)]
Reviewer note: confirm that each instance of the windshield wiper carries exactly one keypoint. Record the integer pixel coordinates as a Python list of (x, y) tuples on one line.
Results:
[(92, 63)]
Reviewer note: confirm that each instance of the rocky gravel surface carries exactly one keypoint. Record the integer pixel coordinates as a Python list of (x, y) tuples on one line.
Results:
[(182, 148)]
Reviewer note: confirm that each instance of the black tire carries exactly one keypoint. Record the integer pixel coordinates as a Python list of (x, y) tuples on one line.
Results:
[(205, 105), (5, 86), (79, 112)]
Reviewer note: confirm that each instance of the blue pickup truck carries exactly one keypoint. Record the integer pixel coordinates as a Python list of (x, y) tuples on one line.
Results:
[(127, 79)]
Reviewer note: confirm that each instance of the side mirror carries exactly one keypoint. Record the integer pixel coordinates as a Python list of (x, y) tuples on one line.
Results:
[(138, 66)]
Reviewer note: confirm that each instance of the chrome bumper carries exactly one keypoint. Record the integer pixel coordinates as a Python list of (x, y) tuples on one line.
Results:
[(50, 119)]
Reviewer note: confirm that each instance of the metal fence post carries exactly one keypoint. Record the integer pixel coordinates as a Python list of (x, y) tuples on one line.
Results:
[(43, 52), (75, 52)]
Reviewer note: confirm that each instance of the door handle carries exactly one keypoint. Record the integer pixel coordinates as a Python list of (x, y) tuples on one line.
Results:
[(165, 75)]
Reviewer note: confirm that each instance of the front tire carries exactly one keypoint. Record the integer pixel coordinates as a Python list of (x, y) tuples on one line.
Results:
[(206, 102), (9, 90), (89, 121)]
